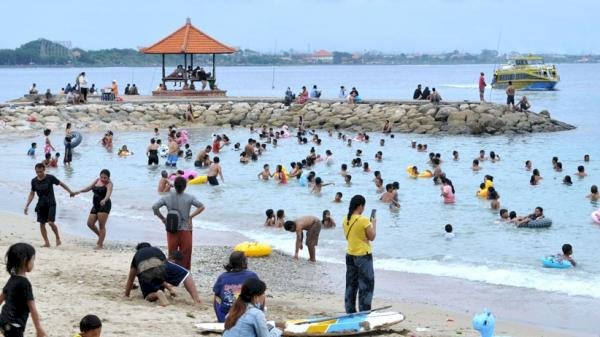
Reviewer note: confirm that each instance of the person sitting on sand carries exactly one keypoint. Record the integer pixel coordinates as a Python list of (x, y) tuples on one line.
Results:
[(215, 170), (312, 226), (327, 220), (246, 317), (90, 326), (270, 221), (581, 171), (594, 195), (155, 274), (537, 214), (228, 285), (567, 251)]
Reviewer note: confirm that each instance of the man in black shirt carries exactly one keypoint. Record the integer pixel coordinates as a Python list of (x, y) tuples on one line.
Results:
[(42, 185), (418, 93)]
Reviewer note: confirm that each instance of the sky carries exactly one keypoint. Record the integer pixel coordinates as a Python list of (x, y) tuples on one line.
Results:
[(551, 26)]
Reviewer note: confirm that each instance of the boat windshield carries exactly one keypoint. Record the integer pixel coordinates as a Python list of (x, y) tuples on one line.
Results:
[(524, 62)]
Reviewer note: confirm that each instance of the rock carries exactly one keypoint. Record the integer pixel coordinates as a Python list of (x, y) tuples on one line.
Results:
[(52, 119), (444, 112)]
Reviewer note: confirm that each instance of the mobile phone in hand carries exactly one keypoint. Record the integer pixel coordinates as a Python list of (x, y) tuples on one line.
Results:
[(373, 211)]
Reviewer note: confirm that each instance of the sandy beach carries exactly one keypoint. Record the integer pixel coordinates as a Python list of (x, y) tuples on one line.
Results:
[(74, 280)]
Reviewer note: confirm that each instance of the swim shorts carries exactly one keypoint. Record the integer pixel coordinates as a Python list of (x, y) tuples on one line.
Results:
[(312, 235), (510, 99), (153, 159), (213, 180), (45, 213), (97, 208)]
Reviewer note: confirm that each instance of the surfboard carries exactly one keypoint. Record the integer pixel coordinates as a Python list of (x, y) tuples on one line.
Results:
[(344, 326)]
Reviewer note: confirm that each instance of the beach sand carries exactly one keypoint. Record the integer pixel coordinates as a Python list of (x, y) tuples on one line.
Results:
[(74, 280)]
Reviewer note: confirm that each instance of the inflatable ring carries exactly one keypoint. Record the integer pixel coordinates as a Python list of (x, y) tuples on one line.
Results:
[(552, 262), (596, 217), (198, 180), (540, 223), (76, 139), (187, 174), (163, 150), (425, 174), (482, 193), (410, 172), (254, 249), (124, 153)]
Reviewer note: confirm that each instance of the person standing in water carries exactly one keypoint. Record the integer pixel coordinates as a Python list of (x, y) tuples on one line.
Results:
[(213, 170), (164, 185), (46, 205), (48, 148), (102, 188), (360, 276), (152, 152)]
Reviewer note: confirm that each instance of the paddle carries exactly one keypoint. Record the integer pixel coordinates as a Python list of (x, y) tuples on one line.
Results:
[(317, 320)]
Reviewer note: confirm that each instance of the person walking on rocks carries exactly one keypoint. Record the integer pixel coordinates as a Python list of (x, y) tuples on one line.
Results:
[(482, 86), (178, 221), (46, 205), (510, 96)]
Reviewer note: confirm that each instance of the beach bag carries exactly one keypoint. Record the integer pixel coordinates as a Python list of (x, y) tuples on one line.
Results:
[(172, 221)]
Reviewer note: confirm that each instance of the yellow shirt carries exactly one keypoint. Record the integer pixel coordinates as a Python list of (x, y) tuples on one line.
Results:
[(355, 233)]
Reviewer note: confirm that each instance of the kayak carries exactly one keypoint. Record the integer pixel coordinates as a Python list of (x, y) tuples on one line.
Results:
[(347, 325)]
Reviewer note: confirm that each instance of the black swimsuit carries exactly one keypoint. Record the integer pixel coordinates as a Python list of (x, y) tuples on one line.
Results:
[(152, 157), (99, 194)]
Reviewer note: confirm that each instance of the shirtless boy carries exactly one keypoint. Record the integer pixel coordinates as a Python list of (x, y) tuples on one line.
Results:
[(312, 226)]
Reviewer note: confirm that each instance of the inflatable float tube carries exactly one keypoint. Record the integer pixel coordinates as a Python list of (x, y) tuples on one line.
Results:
[(76, 139), (425, 174), (254, 249), (482, 193), (552, 262), (596, 217), (540, 223), (410, 172), (187, 174), (124, 153), (163, 151), (198, 180), (286, 132)]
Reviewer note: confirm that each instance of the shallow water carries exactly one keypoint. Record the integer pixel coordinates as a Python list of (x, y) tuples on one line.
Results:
[(409, 240)]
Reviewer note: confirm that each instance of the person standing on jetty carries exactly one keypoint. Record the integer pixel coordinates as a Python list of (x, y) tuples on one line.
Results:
[(83, 86), (179, 207), (360, 277), (102, 188), (482, 86), (312, 226), (510, 96), (46, 205)]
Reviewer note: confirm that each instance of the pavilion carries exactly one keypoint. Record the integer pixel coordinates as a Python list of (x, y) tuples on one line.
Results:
[(188, 41)]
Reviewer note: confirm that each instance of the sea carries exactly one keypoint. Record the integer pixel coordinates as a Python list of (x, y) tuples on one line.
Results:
[(409, 240)]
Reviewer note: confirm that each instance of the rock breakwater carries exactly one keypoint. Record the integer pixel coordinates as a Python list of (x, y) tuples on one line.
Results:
[(406, 117)]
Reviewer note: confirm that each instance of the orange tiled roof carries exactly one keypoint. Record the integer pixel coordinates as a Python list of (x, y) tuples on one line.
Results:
[(323, 53), (188, 40)]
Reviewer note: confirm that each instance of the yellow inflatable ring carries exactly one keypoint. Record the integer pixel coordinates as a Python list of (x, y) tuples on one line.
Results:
[(482, 193), (425, 174), (198, 180), (254, 249)]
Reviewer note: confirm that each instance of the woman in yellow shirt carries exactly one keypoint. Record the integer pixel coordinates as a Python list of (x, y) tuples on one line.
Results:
[(360, 277)]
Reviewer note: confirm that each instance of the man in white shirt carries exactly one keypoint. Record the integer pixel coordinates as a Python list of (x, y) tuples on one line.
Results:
[(83, 86)]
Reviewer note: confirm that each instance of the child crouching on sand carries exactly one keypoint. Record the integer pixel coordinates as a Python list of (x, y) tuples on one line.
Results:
[(18, 294), (90, 326)]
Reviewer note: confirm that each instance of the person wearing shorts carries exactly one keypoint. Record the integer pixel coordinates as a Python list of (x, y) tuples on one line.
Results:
[(42, 185), (214, 170), (155, 274), (102, 188), (510, 95), (312, 226)]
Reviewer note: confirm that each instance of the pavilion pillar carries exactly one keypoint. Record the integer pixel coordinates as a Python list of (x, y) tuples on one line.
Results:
[(163, 70), (185, 68), (214, 75)]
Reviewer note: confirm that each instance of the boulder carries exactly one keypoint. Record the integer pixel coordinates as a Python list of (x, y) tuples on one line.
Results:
[(444, 112)]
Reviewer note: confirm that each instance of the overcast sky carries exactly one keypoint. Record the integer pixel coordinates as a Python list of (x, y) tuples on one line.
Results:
[(348, 25)]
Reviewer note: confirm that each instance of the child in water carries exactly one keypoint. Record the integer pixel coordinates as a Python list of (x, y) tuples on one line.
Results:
[(270, 221), (47, 159), (31, 151), (280, 218), (448, 235), (567, 251), (265, 174), (338, 197), (90, 326), (188, 152), (18, 293), (327, 220), (123, 151), (54, 161)]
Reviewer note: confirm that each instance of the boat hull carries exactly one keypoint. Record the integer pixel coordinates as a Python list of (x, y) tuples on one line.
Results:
[(527, 85)]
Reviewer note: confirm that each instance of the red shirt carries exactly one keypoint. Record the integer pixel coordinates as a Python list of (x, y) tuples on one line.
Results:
[(482, 83), (216, 146)]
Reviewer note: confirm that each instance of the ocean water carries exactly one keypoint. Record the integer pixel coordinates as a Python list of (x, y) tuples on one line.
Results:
[(411, 239)]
